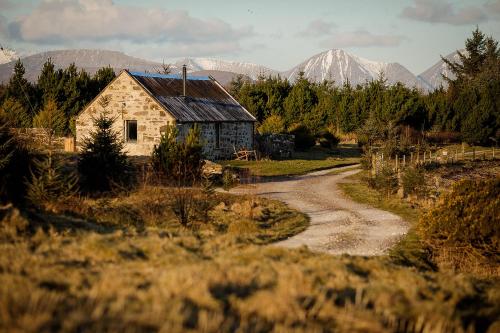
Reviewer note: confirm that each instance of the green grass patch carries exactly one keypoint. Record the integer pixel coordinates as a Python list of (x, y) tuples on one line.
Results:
[(315, 159), (359, 191)]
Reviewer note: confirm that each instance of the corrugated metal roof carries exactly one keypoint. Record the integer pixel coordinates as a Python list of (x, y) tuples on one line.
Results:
[(206, 100)]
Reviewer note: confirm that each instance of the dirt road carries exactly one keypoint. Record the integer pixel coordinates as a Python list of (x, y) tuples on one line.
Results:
[(338, 224)]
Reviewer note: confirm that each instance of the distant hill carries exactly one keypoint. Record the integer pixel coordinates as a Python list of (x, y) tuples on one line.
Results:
[(90, 60), (222, 77), (253, 71), (340, 66), (334, 64), (434, 75)]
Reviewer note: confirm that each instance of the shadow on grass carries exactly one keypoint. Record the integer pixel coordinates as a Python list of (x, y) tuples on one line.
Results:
[(69, 223)]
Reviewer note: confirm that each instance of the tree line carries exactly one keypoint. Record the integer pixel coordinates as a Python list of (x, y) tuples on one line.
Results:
[(470, 104), (65, 91)]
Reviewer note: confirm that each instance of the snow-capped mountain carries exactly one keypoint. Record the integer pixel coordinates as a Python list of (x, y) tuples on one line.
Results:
[(434, 75), (336, 65), (90, 60), (340, 66), (7, 55), (206, 64)]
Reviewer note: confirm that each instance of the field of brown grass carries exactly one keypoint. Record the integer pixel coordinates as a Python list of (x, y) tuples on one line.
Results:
[(124, 265)]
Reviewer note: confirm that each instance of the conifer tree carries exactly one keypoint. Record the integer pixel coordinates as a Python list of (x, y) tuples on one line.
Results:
[(102, 163), (15, 114), (51, 118), (21, 90), (49, 185)]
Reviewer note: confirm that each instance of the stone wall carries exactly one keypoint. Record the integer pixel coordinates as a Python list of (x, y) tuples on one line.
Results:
[(37, 138), (233, 135), (275, 146), (128, 101)]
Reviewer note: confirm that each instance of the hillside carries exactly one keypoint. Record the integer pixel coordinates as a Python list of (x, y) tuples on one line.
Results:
[(206, 64), (90, 60), (434, 75), (334, 64)]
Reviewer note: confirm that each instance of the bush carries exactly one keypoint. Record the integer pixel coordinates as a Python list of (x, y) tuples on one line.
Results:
[(462, 229), (51, 118), (385, 180), (180, 163), (303, 137), (413, 180), (15, 163), (273, 124), (50, 187), (328, 140), (467, 216), (102, 164)]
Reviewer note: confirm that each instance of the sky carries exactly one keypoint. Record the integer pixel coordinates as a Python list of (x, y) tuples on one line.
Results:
[(278, 34)]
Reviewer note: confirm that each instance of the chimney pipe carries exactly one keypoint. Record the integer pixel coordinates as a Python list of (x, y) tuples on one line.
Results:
[(184, 78)]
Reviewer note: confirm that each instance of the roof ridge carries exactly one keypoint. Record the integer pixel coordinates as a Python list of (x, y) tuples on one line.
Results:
[(170, 76)]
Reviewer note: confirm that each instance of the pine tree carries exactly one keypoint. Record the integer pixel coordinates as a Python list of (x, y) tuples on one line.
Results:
[(52, 119), (15, 114), (21, 90), (49, 83), (102, 78), (102, 163), (49, 185)]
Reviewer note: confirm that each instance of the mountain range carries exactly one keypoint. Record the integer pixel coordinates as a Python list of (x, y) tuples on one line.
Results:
[(335, 64)]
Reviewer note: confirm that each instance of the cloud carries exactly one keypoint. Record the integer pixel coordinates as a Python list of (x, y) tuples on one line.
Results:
[(442, 11), (361, 38), (6, 4), (55, 22), (493, 7), (317, 28)]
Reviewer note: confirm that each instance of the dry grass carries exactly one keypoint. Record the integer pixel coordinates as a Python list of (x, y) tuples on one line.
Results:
[(125, 265)]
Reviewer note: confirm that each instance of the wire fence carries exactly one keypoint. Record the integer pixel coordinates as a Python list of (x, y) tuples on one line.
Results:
[(441, 156)]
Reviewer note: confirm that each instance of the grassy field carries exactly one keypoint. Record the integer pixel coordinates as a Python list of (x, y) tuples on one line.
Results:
[(125, 264), (315, 159), (160, 277)]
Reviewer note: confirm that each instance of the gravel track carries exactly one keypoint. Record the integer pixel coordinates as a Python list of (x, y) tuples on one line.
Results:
[(338, 224)]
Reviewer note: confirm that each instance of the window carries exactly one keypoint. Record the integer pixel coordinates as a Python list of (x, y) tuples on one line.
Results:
[(217, 135), (131, 130)]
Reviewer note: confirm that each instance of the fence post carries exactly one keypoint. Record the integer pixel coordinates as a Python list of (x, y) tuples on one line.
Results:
[(411, 158), (404, 161), (397, 162), (424, 156), (463, 150)]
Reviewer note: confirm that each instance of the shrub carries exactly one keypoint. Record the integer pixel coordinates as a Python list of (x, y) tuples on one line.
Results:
[(51, 118), (328, 140), (273, 124), (229, 179), (413, 180), (462, 229), (468, 215), (49, 186), (15, 162), (385, 180), (303, 137), (102, 164), (180, 163), (15, 114)]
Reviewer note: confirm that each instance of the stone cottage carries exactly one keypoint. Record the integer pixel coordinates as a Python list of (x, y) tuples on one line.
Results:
[(143, 104)]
